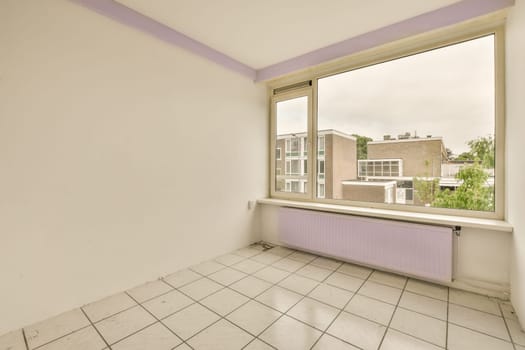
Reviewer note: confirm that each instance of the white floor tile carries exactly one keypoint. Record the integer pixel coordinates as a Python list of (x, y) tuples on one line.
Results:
[(299, 284), (156, 337), (256, 344), (248, 266), (425, 305), (55, 327), (389, 279), (355, 270), (271, 274), (302, 257), (314, 272), (314, 313), (12, 341), (251, 286), (108, 306), (420, 326), (357, 331), (327, 342), (474, 301), (149, 290), (427, 289), (201, 288), (266, 258), (343, 281), (518, 336), (84, 339), (289, 265), (227, 276), (371, 309), (224, 301), (123, 324), (281, 251), (191, 320), (395, 340), (290, 334), (460, 338), (167, 304), (229, 259), (221, 336), (207, 267), (279, 298), (381, 292), (248, 251), (182, 277), (331, 295), (327, 263), (478, 321), (519, 347), (254, 317)]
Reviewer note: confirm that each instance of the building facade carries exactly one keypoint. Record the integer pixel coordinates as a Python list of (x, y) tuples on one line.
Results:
[(336, 162)]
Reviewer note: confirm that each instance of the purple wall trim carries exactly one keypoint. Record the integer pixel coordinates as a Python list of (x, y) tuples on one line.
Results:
[(455, 13), (145, 24), (439, 18)]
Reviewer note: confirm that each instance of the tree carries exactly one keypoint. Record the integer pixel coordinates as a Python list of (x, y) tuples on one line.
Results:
[(426, 190), (482, 149), (361, 144), (472, 194)]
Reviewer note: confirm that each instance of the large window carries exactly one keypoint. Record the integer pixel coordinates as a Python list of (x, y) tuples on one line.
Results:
[(426, 125)]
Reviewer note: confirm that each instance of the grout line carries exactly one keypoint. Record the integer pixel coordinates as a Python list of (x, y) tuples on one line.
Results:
[(480, 332), (341, 311), (61, 337), (25, 338), (507, 327), (393, 313), (156, 318), (96, 329)]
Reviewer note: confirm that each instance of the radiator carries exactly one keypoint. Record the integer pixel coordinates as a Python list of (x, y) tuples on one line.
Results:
[(415, 249)]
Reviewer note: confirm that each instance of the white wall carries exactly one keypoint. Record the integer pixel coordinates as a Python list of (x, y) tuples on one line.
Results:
[(122, 158), (515, 90), (481, 262)]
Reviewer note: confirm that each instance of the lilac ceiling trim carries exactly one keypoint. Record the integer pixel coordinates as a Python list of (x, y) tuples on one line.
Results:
[(145, 24), (439, 18)]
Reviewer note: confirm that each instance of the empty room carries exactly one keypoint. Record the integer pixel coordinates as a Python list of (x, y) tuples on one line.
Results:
[(250, 175)]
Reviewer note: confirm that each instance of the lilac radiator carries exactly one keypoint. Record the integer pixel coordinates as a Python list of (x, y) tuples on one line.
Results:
[(414, 249)]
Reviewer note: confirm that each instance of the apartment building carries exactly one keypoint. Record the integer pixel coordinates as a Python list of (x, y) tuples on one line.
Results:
[(336, 162)]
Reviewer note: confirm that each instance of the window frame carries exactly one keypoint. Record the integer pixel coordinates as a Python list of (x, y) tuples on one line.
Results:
[(391, 51), (274, 99)]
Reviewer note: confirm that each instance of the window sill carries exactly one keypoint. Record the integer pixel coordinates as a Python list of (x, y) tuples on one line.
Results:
[(449, 220)]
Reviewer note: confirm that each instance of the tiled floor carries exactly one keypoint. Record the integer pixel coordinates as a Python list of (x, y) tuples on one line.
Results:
[(279, 299)]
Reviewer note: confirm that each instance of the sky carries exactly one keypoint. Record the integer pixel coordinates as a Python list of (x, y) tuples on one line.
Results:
[(447, 92)]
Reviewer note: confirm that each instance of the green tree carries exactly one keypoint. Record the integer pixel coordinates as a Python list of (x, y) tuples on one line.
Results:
[(362, 148), (426, 190), (472, 194), (482, 149)]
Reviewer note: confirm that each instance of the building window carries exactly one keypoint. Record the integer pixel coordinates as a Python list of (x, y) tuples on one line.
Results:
[(425, 126), (278, 154)]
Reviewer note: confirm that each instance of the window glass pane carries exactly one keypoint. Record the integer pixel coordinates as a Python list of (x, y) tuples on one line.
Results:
[(292, 126), (424, 126)]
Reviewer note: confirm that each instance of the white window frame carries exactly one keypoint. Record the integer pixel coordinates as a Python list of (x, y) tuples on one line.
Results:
[(295, 93), (406, 47)]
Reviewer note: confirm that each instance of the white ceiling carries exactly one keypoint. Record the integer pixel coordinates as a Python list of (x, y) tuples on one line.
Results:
[(262, 33)]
